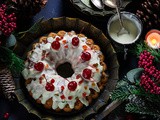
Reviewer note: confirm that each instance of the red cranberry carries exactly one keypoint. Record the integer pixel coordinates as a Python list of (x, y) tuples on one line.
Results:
[(70, 97), (80, 82), (72, 86), (86, 56), (6, 21), (78, 76), (84, 94), (49, 86), (39, 66), (75, 41), (87, 73), (62, 88), (59, 38), (52, 81), (6, 115), (56, 45), (62, 97)]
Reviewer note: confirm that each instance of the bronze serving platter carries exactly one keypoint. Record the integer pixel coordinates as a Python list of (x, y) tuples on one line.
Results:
[(86, 7), (79, 26)]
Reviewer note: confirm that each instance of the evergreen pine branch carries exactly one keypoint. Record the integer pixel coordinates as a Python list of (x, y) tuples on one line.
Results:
[(13, 62), (139, 91), (120, 94), (154, 98), (134, 90), (136, 108), (138, 49), (141, 47), (124, 89), (140, 101)]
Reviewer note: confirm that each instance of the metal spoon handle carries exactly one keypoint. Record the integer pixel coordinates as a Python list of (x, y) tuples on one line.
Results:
[(119, 16)]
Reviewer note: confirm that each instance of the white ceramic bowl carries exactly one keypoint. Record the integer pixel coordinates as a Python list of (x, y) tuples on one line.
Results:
[(133, 20)]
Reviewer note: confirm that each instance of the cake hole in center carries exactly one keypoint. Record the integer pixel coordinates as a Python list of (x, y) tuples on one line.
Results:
[(65, 70)]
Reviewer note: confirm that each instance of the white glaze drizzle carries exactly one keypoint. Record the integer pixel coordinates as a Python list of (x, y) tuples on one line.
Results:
[(71, 54)]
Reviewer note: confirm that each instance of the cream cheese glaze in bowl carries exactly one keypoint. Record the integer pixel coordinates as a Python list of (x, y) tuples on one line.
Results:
[(131, 22)]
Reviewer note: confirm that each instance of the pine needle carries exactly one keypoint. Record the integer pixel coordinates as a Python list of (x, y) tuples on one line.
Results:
[(141, 47), (13, 62)]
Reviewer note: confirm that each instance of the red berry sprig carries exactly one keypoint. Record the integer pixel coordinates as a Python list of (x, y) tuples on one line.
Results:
[(146, 62), (7, 21), (6, 115), (149, 84), (150, 71)]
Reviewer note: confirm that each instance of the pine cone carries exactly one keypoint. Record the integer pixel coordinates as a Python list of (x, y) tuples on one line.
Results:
[(6, 83), (149, 13), (25, 9)]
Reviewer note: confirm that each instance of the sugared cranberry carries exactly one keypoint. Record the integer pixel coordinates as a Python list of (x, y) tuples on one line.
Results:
[(55, 45), (75, 41), (39, 66), (86, 56), (87, 73), (72, 86), (49, 86)]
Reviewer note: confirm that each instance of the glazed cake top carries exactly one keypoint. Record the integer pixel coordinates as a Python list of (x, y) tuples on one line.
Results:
[(43, 60)]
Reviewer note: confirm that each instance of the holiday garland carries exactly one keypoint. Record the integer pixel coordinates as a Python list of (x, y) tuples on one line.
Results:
[(141, 86)]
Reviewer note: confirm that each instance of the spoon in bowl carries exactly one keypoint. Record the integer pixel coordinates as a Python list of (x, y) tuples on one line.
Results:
[(116, 4), (98, 4)]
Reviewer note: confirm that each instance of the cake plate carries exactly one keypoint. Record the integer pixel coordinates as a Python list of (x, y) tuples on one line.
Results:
[(86, 7), (41, 28)]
